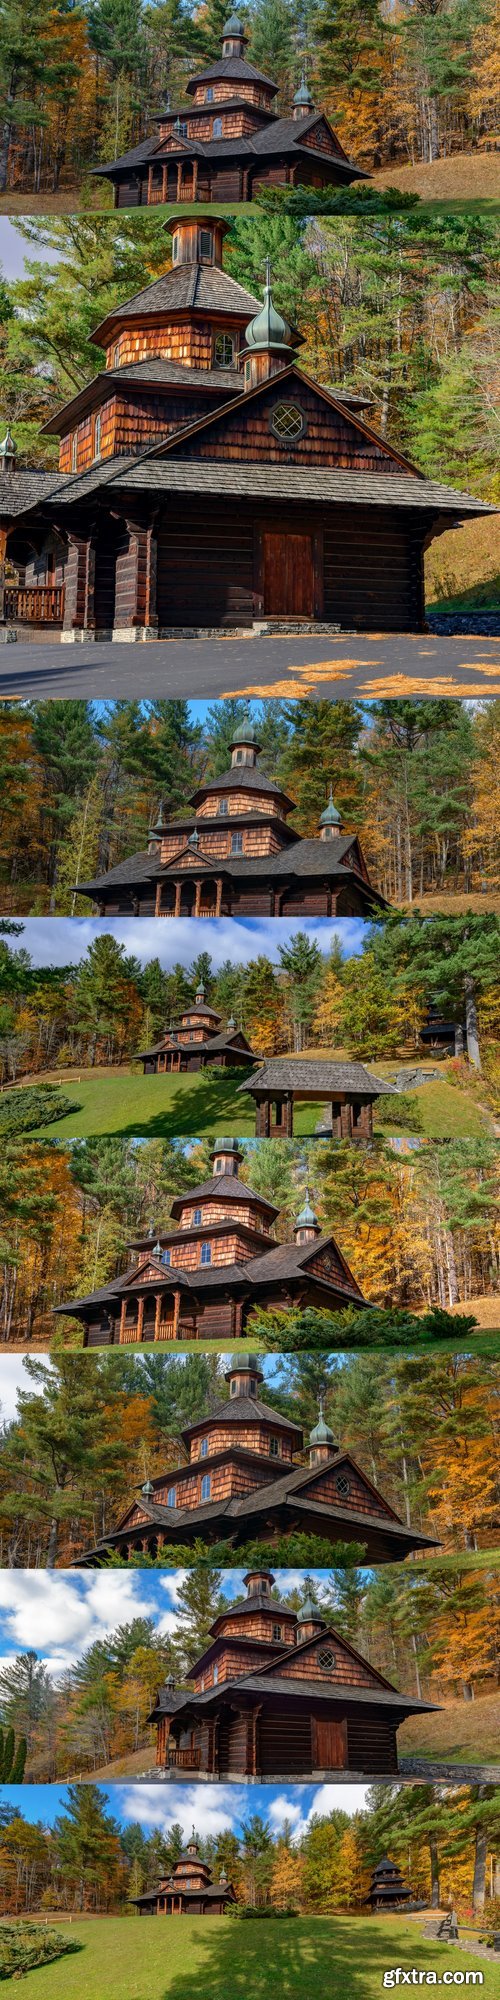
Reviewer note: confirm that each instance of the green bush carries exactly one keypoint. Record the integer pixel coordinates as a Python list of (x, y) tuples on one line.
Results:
[(268, 1910), (310, 1330), (42, 1104), (24, 1945)]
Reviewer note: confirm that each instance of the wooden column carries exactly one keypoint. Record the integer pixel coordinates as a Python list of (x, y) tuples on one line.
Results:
[(79, 584), (164, 181), (177, 910), (179, 182), (177, 1308), (3, 551), (195, 180), (158, 899), (345, 1120), (197, 898), (218, 896), (289, 1115), (150, 184), (140, 1318), (157, 1315), (122, 1319), (238, 1319)]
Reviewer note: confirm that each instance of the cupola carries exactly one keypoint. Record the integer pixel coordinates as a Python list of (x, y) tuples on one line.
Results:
[(259, 1582), (321, 1439), (268, 340), (330, 819), (8, 454), (244, 745), (309, 1620), (244, 1375), (197, 239), (307, 1225), (303, 102), (147, 1490), (226, 1157), (234, 37), (193, 1845), (200, 994)]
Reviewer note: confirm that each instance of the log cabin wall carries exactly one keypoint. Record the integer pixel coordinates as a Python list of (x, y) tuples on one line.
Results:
[(284, 1743), (224, 90), (239, 801), (372, 1746), (232, 1249), (262, 1627), (217, 1211), (372, 567)]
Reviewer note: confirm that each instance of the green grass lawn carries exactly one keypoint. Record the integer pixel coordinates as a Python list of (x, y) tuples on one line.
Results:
[(209, 1102), (222, 1959)]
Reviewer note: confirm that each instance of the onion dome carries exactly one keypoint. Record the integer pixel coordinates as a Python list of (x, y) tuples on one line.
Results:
[(331, 815), (268, 329), (245, 733), (303, 95), (321, 1433), (307, 1218), (307, 1611), (7, 453), (234, 26), (147, 1490)]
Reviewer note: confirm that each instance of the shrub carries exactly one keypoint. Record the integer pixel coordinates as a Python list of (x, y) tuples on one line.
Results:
[(42, 1104), (24, 1945)]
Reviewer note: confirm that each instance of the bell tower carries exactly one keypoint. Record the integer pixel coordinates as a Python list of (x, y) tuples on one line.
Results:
[(244, 746), (234, 37), (244, 1376), (226, 1158), (321, 1440), (307, 1225)]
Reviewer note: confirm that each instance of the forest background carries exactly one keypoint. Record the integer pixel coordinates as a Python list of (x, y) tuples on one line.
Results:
[(446, 1842), (82, 83), (88, 1433), (81, 784), (401, 308)]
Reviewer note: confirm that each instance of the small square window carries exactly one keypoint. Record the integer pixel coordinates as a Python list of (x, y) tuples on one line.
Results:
[(277, 1631), (274, 1447)]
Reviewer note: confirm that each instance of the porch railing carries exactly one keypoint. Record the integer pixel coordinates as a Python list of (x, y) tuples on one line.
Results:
[(184, 1760), (37, 604)]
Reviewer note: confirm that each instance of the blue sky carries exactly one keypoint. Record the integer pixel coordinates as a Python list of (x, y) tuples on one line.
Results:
[(59, 1614), (14, 1376), (65, 940), (211, 1808)]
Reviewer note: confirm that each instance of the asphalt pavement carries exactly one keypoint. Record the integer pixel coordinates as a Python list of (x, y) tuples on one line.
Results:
[(200, 669)]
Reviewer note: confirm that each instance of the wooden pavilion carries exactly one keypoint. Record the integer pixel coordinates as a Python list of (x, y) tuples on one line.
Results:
[(346, 1091), (244, 1473), (280, 1695)]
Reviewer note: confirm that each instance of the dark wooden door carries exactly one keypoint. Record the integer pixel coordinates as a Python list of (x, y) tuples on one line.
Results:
[(288, 575), (329, 1744)]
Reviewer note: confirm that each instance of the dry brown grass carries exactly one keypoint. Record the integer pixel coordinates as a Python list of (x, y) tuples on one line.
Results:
[(467, 1731), (465, 559), (451, 902), (465, 177), (487, 1311)]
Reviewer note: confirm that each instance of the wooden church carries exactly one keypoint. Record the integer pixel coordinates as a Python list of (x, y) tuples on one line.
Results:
[(243, 1472), (388, 1889), (201, 1277), (233, 853), (279, 1694), (188, 1891), (207, 483), (196, 1040), (230, 141)]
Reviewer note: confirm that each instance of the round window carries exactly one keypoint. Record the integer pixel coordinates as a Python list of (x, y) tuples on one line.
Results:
[(326, 1658), (287, 422), (343, 1484)]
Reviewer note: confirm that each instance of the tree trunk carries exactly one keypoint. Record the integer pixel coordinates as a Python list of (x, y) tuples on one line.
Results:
[(52, 1544), (480, 1857), (473, 1049), (434, 1857)]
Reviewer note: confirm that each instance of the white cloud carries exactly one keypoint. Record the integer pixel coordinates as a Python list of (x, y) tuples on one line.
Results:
[(327, 1799), (210, 1808), (59, 1615), (64, 941), (13, 1377)]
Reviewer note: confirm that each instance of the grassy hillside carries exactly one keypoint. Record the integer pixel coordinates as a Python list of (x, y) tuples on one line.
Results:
[(134, 1959), (210, 1102)]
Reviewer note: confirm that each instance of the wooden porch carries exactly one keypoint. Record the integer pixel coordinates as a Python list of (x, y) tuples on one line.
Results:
[(34, 604)]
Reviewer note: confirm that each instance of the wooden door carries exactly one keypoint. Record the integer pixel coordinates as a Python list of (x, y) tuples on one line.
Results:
[(288, 575), (329, 1744)]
